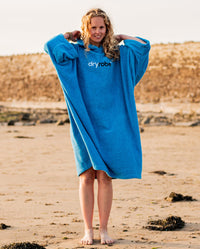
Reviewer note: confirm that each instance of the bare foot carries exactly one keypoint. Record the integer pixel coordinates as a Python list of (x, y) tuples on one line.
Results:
[(105, 239), (88, 238)]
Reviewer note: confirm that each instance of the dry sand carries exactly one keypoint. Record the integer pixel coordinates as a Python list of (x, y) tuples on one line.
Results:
[(39, 190), (38, 182)]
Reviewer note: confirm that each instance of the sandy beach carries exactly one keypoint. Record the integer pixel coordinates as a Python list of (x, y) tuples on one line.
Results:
[(39, 197), (39, 190)]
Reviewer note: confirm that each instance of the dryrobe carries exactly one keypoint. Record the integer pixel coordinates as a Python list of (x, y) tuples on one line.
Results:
[(99, 94)]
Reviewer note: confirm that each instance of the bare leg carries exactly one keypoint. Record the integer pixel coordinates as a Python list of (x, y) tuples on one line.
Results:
[(105, 194), (86, 194)]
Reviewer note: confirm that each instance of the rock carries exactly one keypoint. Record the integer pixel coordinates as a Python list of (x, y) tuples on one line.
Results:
[(188, 124), (60, 122), (24, 245), (29, 124), (195, 123), (63, 121), (169, 224), (11, 122), (173, 197), (47, 121), (141, 129), (147, 119), (162, 120), (25, 116), (67, 120)]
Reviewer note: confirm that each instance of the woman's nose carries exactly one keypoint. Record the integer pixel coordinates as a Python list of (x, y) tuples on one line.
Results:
[(97, 31)]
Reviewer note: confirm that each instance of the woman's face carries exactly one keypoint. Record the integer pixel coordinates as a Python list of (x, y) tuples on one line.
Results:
[(97, 30)]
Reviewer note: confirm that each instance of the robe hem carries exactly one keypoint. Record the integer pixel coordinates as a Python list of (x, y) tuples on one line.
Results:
[(118, 177)]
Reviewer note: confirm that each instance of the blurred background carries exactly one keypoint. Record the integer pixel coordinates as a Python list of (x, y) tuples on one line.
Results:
[(38, 182), (26, 25)]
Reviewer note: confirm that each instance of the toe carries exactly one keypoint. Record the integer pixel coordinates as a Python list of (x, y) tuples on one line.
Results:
[(90, 242), (109, 242)]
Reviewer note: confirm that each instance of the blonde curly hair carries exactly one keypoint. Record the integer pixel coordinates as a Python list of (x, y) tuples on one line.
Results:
[(109, 43)]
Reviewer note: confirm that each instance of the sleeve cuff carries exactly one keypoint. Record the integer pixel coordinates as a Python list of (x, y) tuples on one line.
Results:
[(61, 49), (136, 44)]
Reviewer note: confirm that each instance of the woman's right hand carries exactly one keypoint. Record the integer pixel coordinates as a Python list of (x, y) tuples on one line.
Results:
[(73, 36), (76, 34)]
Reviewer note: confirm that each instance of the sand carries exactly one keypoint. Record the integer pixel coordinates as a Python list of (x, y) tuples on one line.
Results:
[(39, 190), (38, 182)]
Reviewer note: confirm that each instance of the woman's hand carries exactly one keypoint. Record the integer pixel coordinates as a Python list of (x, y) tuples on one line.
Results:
[(76, 34), (119, 38), (73, 36)]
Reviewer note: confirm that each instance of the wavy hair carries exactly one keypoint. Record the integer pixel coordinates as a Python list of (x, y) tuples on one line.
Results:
[(109, 43)]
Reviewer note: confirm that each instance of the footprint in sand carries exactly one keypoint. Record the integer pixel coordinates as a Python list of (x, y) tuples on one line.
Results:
[(76, 220), (24, 137)]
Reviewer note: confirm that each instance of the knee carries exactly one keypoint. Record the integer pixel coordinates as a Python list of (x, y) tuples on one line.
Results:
[(87, 178), (103, 178)]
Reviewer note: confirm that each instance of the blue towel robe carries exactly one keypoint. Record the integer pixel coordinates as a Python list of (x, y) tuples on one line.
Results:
[(99, 94)]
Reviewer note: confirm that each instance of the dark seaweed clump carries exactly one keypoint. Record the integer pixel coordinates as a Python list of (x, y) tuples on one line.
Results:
[(3, 226), (24, 245), (173, 197), (169, 224), (159, 172)]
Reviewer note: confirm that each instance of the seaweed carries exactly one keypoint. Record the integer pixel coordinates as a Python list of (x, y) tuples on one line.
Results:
[(23, 245), (171, 223), (3, 226), (173, 197)]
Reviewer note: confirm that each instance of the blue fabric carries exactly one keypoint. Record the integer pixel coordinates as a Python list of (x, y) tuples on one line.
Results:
[(99, 94)]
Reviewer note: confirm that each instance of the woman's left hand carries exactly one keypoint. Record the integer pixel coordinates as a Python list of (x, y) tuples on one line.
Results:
[(118, 38)]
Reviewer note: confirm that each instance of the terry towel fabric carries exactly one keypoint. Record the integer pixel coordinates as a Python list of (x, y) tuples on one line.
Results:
[(99, 94)]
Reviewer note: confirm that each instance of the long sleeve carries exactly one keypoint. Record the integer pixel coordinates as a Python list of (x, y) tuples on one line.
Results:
[(137, 55), (60, 50), (64, 57)]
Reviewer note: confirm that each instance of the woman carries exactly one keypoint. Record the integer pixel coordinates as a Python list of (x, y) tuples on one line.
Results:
[(98, 77)]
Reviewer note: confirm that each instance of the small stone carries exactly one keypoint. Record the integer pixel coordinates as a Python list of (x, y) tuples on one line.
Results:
[(141, 129), (159, 172), (3, 226)]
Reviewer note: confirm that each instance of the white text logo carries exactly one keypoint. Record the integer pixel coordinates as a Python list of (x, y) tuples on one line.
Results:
[(99, 64)]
